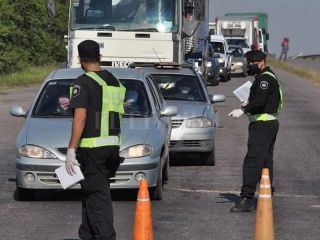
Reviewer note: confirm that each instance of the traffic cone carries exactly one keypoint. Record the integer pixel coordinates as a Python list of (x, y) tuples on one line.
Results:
[(143, 222), (264, 216)]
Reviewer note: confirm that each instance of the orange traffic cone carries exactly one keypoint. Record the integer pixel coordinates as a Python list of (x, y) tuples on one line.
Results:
[(264, 216), (143, 223)]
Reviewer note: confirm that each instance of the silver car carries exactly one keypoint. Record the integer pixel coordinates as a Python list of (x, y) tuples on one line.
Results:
[(146, 127), (239, 62), (194, 126)]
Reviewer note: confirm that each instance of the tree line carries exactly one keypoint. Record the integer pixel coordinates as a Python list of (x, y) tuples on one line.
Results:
[(28, 36)]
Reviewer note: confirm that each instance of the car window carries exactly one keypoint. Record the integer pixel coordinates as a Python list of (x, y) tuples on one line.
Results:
[(136, 101), (237, 52), (156, 94), (179, 87), (218, 47), (54, 99)]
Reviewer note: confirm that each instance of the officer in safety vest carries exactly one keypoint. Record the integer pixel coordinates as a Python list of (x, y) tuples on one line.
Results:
[(97, 100), (262, 109)]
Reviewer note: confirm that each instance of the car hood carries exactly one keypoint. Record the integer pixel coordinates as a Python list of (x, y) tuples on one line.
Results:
[(237, 59), (188, 109), (55, 133)]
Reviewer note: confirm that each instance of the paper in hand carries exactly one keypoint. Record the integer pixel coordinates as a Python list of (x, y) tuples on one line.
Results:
[(67, 180), (243, 92)]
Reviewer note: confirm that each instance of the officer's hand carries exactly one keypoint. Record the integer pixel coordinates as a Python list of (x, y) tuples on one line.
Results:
[(71, 161), (243, 103), (236, 113)]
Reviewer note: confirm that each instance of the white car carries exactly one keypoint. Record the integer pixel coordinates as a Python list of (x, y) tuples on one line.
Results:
[(220, 46)]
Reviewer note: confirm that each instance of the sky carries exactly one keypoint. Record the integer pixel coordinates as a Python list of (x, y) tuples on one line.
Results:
[(299, 20)]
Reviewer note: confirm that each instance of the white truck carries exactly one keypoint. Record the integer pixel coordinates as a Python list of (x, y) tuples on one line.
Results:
[(137, 30), (246, 27)]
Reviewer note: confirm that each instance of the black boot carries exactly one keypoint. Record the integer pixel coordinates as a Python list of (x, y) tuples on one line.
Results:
[(246, 205)]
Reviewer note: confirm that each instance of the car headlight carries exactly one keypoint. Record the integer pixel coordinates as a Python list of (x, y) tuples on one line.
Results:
[(209, 64), (33, 151), (136, 151), (239, 64), (221, 60), (198, 122)]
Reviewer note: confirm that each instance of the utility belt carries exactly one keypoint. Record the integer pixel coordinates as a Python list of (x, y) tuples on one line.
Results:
[(262, 117), (99, 141)]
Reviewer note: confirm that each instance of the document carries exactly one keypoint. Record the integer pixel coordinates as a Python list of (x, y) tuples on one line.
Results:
[(67, 180), (242, 92)]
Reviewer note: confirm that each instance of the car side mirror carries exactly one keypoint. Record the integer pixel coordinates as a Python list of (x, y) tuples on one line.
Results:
[(18, 111), (169, 111), (217, 98)]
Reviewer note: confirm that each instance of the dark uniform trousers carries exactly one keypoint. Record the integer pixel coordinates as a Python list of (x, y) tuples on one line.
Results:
[(262, 137), (97, 164)]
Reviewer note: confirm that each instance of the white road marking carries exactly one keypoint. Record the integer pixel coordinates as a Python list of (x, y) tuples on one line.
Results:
[(238, 191)]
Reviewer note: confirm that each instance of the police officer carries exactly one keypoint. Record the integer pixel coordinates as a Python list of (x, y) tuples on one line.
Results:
[(97, 100), (263, 107)]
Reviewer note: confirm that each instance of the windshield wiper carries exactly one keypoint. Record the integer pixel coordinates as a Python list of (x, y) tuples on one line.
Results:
[(102, 27), (140, 30)]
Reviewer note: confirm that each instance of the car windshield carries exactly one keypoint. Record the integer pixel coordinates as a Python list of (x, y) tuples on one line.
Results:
[(218, 47), (126, 15), (54, 99), (241, 42), (179, 87), (236, 52)]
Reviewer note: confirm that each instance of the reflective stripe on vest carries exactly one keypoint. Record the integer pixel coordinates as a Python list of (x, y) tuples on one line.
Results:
[(112, 100), (267, 116)]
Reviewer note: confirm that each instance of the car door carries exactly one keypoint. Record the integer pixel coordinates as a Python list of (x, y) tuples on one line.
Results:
[(160, 104)]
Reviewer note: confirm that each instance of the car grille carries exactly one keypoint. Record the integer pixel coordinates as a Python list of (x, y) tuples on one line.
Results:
[(176, 123), (48, 178), (63, 150), (190, 143)]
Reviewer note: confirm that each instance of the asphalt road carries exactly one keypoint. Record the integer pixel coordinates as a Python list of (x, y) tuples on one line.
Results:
[(197, 198)]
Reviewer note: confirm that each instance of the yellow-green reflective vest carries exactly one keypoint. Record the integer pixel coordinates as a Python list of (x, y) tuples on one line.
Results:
[(112, 100), (267, 116)]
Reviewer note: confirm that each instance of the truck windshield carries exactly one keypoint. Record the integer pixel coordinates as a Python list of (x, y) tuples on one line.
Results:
[(125, 15)]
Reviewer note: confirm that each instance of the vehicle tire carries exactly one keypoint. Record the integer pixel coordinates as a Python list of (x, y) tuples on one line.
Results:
[(244, 74), (229, 76), (208, 158), (156, 193), (165, 171), (23, 194), (214, 81)]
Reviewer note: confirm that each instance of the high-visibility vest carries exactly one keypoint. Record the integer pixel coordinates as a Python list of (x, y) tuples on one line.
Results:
[(112, 100), (268, 116)]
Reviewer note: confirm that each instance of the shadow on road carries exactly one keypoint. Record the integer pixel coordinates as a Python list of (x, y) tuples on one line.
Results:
[(229, 197), (186, 160)]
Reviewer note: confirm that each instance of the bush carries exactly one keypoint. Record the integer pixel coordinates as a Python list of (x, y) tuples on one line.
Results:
[(28, 36)]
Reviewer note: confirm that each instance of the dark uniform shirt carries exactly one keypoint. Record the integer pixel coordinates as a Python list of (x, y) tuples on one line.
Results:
[(264, 94), (87, 93)]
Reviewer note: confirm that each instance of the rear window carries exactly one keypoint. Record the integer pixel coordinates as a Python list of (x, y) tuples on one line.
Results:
[(179, 87)]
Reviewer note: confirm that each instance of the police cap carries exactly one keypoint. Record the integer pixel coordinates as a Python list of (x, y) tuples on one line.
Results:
[(255, 55), (89, 50)]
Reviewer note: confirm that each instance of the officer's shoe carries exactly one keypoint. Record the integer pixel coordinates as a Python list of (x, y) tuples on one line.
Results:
[(245, 205)]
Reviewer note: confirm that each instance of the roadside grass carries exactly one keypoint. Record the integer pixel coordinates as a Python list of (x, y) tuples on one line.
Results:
[(32, 75), (307, 74)]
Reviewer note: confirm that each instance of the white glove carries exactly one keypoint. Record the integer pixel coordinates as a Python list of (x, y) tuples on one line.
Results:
[(71, 161), (236, 113), (243, 103)]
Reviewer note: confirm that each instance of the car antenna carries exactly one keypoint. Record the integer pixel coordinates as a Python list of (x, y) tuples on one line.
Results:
[(157, 54)]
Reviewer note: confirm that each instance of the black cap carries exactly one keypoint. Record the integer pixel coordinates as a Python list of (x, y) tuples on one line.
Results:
[(255, 55), (89, 50)]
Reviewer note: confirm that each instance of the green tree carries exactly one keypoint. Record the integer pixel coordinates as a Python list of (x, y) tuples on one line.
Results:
[(28, 36)]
